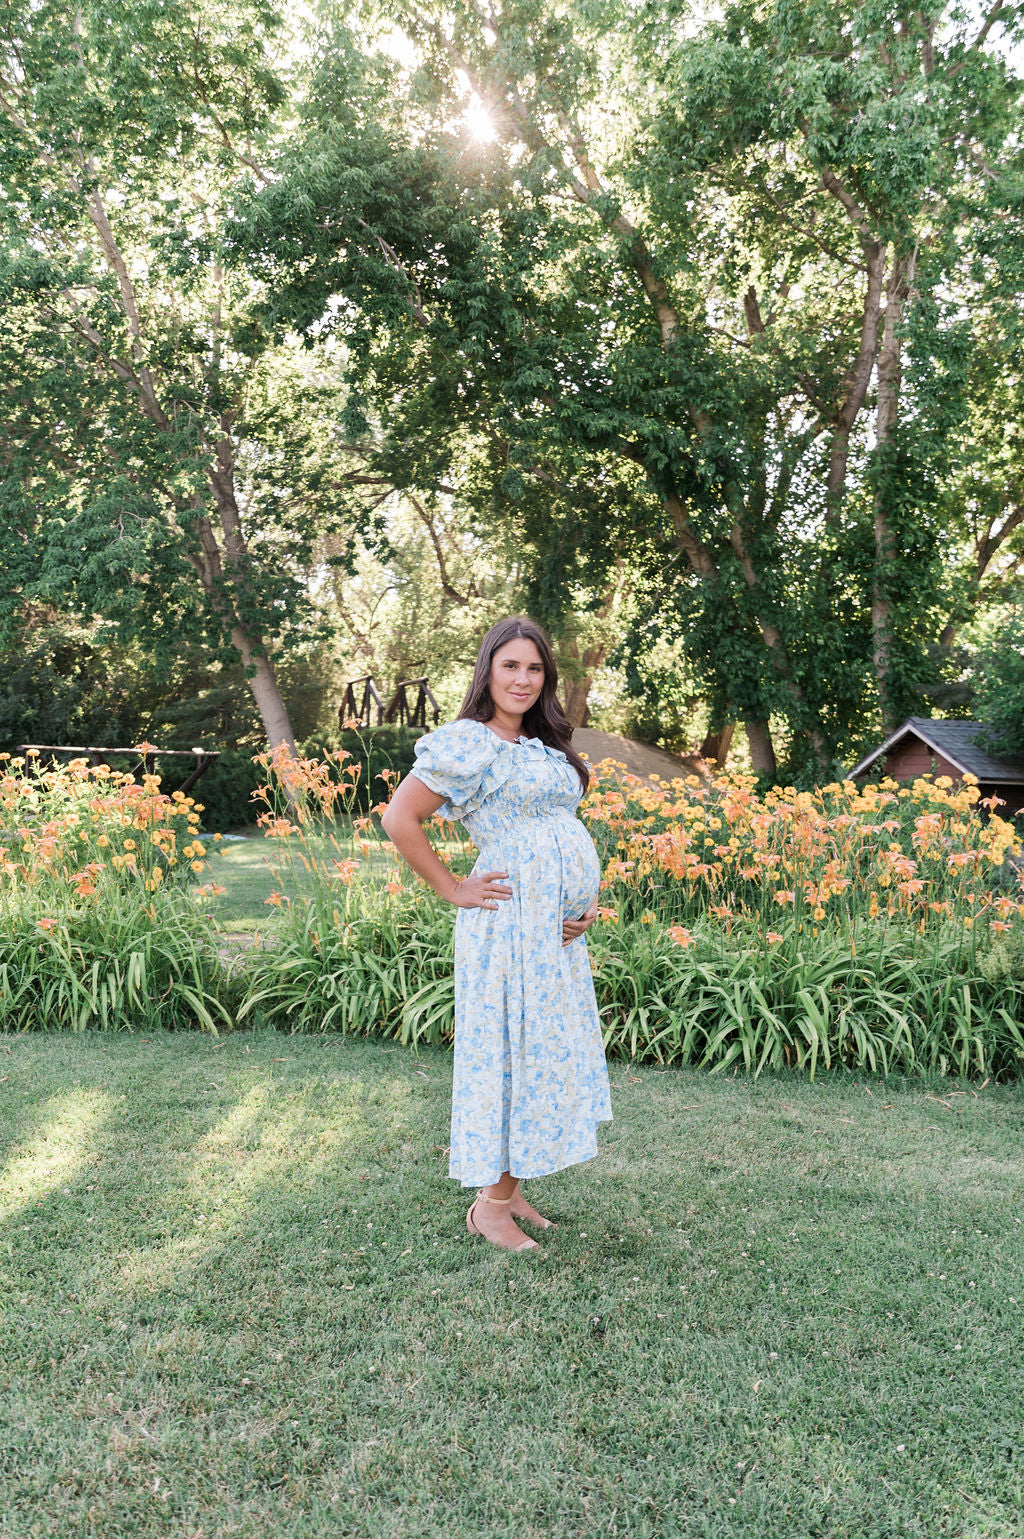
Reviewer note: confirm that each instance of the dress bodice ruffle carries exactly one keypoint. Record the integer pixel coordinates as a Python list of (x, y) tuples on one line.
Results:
[(467, 764)]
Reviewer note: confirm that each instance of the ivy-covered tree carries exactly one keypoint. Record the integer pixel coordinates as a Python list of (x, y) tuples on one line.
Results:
[(999, 684)]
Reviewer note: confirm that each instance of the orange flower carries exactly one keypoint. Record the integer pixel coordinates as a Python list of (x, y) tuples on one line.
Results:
[(772, 936), (611, 914), (49, 925), (681, 936), (345, 870), (277, 828), (393, 886), (276, 899)]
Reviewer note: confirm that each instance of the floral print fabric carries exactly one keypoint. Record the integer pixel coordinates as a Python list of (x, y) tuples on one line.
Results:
[(530, 1081)]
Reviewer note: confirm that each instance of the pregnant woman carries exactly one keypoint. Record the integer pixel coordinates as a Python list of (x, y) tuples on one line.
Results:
[(530, 1082)]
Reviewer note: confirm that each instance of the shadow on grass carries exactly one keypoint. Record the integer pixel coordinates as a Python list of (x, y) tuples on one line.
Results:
[(242, 1302)]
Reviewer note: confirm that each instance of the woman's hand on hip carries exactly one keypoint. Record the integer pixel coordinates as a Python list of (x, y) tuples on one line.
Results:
[(572, 929), (486, 890)]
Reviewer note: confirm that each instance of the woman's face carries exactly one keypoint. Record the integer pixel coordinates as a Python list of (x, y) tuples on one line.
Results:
[(517, 676)]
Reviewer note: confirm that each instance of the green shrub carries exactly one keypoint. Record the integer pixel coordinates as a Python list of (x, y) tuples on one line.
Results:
[(364, 964), (373, 965), (124, 966)]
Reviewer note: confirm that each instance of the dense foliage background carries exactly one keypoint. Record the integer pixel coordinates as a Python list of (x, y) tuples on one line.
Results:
[(328, 341)]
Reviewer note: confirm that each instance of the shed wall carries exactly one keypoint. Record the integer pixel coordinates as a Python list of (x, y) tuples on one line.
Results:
[(910, 758)]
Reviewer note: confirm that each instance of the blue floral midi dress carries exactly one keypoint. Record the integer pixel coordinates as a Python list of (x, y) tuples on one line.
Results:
[(530, 1080)]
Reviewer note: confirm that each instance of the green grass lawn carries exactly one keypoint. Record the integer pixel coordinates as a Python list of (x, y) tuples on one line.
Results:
[(238, 1299), (242, 866), (243, 869)]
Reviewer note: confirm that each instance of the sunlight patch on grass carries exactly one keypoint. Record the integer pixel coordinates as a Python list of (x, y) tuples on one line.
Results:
[(255, 1146), (56, 1152)]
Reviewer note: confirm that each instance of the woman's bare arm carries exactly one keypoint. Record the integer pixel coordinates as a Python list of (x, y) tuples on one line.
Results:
[(403, 819)]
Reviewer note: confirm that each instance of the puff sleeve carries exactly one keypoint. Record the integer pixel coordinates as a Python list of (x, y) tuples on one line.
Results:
[(464, 762)]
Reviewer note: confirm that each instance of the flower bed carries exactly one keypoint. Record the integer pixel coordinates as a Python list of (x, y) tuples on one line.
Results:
[(873, 927), (877, 927), (98, 927)]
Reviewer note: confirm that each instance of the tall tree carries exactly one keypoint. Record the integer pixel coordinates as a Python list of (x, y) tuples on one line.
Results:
[(163, 463), (678, 298)]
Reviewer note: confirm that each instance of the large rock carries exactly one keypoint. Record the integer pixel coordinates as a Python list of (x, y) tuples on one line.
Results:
[(639, 758)]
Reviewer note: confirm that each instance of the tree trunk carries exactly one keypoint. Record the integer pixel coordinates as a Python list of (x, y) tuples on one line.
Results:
[(716, 745), (762, 750), (890, 375), (259, 670), (576, 691), (575, 701), (578, 674), (265, 691)]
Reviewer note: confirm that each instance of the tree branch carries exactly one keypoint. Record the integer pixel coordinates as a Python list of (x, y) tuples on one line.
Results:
[(987, 25), (442, 568)]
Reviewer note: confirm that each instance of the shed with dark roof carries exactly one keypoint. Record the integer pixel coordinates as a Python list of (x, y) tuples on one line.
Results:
[(926, 747)]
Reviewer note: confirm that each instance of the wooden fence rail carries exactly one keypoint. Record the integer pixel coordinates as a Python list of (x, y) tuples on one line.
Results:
[(144, 754)]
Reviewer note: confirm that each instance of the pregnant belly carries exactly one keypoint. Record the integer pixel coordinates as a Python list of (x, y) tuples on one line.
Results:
[(581, 874), (549, 861)]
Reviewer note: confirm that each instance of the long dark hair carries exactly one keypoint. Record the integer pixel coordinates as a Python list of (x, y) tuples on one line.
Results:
[(545, 718)]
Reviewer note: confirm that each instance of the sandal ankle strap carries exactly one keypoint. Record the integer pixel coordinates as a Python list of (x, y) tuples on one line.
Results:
[(501, 1202)]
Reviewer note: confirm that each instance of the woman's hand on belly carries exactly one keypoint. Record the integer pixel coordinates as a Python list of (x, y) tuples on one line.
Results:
[(572, 929)]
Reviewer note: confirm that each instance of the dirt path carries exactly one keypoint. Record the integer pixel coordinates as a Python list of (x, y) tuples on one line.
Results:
[(639, 758)]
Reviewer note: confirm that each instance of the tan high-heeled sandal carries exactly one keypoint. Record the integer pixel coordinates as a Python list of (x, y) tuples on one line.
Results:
[(540, 1222), (500, 1202)]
